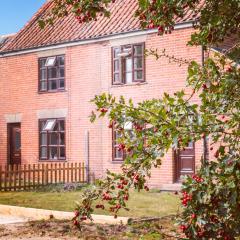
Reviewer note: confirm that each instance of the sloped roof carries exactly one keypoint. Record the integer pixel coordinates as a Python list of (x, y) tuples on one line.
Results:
[(4, 39), (67, 29)]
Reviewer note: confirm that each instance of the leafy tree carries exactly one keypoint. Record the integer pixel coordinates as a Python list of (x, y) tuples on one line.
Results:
[(211, 199)]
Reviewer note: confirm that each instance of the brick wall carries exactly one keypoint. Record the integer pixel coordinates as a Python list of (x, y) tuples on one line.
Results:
[(88, 72)]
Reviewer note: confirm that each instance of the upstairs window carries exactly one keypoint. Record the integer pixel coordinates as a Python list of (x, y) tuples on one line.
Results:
[(52, 74), (52, 139), (128, 64)]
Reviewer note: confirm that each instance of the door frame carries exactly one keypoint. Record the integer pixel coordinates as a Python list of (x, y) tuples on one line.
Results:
[(9, 126), (176, 168)]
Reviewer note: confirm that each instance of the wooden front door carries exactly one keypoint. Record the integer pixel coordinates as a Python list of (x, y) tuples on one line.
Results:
[(185, 161), (14, 143)]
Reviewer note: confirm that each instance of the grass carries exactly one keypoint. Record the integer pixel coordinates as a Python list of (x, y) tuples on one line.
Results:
[(143, 204)]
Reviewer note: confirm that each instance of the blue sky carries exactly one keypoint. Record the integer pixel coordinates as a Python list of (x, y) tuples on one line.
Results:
[(15, 13)]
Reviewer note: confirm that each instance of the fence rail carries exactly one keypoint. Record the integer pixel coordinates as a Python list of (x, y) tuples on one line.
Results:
[(32, 176)]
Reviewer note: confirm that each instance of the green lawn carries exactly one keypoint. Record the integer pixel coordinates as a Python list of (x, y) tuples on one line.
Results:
[(143, 204)]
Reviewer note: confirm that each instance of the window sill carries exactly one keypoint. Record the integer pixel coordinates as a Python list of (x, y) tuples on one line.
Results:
[(117, 162), (52, 161), (129, 84), (58, 91)]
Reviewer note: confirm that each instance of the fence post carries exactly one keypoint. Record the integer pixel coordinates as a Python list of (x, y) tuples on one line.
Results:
[(46, 174), (24, 176), (33, 176), (5, 179), (83, 172), (43, 175), (29, 176)]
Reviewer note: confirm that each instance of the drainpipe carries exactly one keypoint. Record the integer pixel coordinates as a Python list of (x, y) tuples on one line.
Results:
[(205, 139)]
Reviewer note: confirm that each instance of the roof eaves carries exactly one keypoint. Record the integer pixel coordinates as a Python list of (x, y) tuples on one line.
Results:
[(182, 25)]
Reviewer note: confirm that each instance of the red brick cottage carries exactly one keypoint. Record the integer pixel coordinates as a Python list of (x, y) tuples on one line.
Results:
[(47, 78)]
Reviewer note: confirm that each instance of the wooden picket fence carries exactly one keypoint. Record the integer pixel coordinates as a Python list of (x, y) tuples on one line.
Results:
[(32, 176)]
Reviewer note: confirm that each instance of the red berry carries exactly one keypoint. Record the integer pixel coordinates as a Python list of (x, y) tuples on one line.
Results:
[(76, 213), (75, 222), (103, 110), (183, 227), (83, 218), (216, 155), (193, 216)]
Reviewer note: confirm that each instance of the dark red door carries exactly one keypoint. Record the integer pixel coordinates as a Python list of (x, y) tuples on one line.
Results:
[(14, 142), (185, 161)]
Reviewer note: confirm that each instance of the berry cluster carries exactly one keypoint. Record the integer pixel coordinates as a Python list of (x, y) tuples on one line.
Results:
[(88, 12), (138, 127), (186, 198), (149, 17), (106, 196), (197, 178), (121, 147), (76, 222), (103, 110), (100, 206)]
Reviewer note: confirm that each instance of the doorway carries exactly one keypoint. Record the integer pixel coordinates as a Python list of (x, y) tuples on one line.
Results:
[(14, 143), (184, 162)]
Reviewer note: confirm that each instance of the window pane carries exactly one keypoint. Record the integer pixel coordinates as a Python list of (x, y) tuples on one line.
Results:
[(116, 65), (52, 85), (50, 62), (53, 139), (43, 139), (61, 83), (42, 124), (50, 124), (43, 74), (116, 77), (138, 50), (138, 63), (118, 154), (43, 152), (61, 60), (61, 125), (128, 63), (43, 85), (62, 138), (115, 52), (53, 153), (17, 140), (128, 126), (128, 77), (117, 135), (61, 72), (138, 75), (62, 152), (52, 72), (42, 62), (56, 127)]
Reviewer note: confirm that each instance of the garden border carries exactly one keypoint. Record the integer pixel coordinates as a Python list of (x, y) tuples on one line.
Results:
[(35, 214)]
